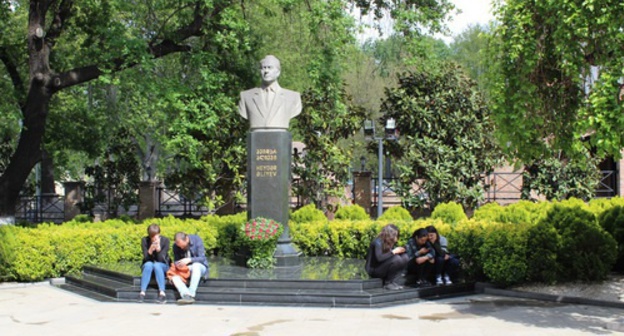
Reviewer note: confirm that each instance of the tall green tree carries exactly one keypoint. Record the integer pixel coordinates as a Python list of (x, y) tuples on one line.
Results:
[(558, 69), (446, 145), (70, 43)]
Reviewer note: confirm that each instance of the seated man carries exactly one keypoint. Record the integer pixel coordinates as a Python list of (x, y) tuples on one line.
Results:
[(189, 251), (421, 257)]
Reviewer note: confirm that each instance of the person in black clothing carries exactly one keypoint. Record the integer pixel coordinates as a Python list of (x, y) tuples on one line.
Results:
[(446, 264), (155, 260), (384, 260), (421, 256)]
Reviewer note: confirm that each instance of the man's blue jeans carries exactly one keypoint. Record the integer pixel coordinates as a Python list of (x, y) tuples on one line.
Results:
[(159, 269), (197, 272)]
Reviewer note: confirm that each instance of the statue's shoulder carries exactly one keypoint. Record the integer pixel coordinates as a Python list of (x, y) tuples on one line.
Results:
[(249, 92), (291, 93)]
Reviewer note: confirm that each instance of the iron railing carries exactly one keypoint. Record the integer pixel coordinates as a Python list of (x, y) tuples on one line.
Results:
[(45, 208)]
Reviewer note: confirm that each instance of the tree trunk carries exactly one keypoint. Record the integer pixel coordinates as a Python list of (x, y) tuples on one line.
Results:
[(28, 151), (48, 187), (34, 112)]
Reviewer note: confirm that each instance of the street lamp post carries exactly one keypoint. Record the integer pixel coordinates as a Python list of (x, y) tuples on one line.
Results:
[(369, 133)]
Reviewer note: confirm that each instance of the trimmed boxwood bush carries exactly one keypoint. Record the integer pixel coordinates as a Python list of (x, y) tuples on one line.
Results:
[(503, 253), (466, 240), (541, 253), (451, 213), (395, 213), (612, 220), (351, 212), (544, 242), (308, 213), (585, 250), (49, 250)]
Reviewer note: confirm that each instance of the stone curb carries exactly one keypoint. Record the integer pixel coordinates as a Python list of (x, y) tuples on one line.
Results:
[(617, 325)]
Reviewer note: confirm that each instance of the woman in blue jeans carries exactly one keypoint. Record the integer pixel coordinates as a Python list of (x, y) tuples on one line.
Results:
[(155, 260)]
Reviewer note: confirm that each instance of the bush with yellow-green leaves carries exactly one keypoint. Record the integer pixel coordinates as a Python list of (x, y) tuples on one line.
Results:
[(546, 242)]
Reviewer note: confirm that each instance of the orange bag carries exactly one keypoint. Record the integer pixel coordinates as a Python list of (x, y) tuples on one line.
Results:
[(183, 272)]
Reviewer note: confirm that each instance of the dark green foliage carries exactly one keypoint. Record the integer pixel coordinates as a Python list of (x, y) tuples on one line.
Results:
[(612, 220), (541, 253), (585, 251), (558, 179), (446, 137), (116, 180)]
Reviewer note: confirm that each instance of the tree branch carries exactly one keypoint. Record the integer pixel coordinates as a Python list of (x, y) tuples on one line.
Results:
[(61, 16), (11, 67), (84, 74), (167, 46)]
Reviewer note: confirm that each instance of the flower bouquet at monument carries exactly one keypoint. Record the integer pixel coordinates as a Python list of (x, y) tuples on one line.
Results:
[(260, 236)]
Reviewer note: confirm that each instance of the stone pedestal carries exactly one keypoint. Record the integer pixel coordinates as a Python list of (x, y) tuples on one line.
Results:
[(148, 199), (73, 197), (268, 172), (362, 194)]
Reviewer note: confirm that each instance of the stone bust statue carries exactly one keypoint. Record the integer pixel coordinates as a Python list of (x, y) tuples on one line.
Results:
[(269, 106)]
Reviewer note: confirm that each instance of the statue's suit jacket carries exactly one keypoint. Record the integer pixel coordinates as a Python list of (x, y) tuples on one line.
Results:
[(286, 105)]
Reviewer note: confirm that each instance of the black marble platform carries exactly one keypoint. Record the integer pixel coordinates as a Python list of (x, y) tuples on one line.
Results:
[(320, 282)]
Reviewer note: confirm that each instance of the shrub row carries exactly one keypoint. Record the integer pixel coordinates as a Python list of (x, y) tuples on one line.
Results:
[(548, 242), (49, 250)]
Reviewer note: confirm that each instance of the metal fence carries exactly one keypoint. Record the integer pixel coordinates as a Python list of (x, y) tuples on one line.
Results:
[(171, 202), (39, 209)]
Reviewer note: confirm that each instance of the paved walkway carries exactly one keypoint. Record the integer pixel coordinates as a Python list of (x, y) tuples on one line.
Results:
[(45, 310)]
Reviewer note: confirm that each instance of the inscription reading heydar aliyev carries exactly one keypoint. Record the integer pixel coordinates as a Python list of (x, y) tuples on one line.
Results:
[(269, 106)]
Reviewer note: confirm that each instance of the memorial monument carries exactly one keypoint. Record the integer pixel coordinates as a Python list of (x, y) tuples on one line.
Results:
[(269, 109)]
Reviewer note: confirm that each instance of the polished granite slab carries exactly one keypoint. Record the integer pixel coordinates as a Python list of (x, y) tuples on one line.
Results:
[(311, 268)]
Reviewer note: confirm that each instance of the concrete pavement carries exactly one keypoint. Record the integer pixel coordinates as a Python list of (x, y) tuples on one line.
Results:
[(45, 310)]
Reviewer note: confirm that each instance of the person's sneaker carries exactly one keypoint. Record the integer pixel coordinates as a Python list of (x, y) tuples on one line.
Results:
[(186, 299), (439, 281), (162, 299), (392, 286), (447, 280), (141, 298)]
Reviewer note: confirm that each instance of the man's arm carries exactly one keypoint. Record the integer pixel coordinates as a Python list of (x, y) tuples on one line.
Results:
[(199, 253)]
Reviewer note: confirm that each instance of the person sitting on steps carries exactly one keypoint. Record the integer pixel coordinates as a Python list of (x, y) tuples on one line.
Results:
[(384, 260), (155, 260), (189, 251), (421, 257), (446, 264)]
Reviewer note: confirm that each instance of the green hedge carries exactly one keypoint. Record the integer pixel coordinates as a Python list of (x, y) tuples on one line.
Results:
[(545, 242), (49, 250)]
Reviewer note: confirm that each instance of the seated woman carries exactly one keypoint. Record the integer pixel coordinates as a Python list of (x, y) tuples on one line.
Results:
[(155, 260), (384, 260), (421, 257), (446, 264)]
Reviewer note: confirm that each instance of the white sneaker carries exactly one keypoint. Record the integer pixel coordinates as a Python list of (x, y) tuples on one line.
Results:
[(439, 281), (447, 280)]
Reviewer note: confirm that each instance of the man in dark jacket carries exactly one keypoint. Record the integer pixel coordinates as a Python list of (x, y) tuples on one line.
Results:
[(189, 251)]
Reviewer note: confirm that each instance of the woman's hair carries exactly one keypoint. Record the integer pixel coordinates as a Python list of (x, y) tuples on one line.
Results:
[(153, 230), (419, 233), (389, 235), (432, 229)]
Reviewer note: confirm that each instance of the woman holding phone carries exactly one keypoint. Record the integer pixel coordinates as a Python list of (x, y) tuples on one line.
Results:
[(384, 260), (155, 260)]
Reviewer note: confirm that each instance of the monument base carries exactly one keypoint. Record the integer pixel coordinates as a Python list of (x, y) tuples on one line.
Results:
[(286, 255), (268, 190)]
